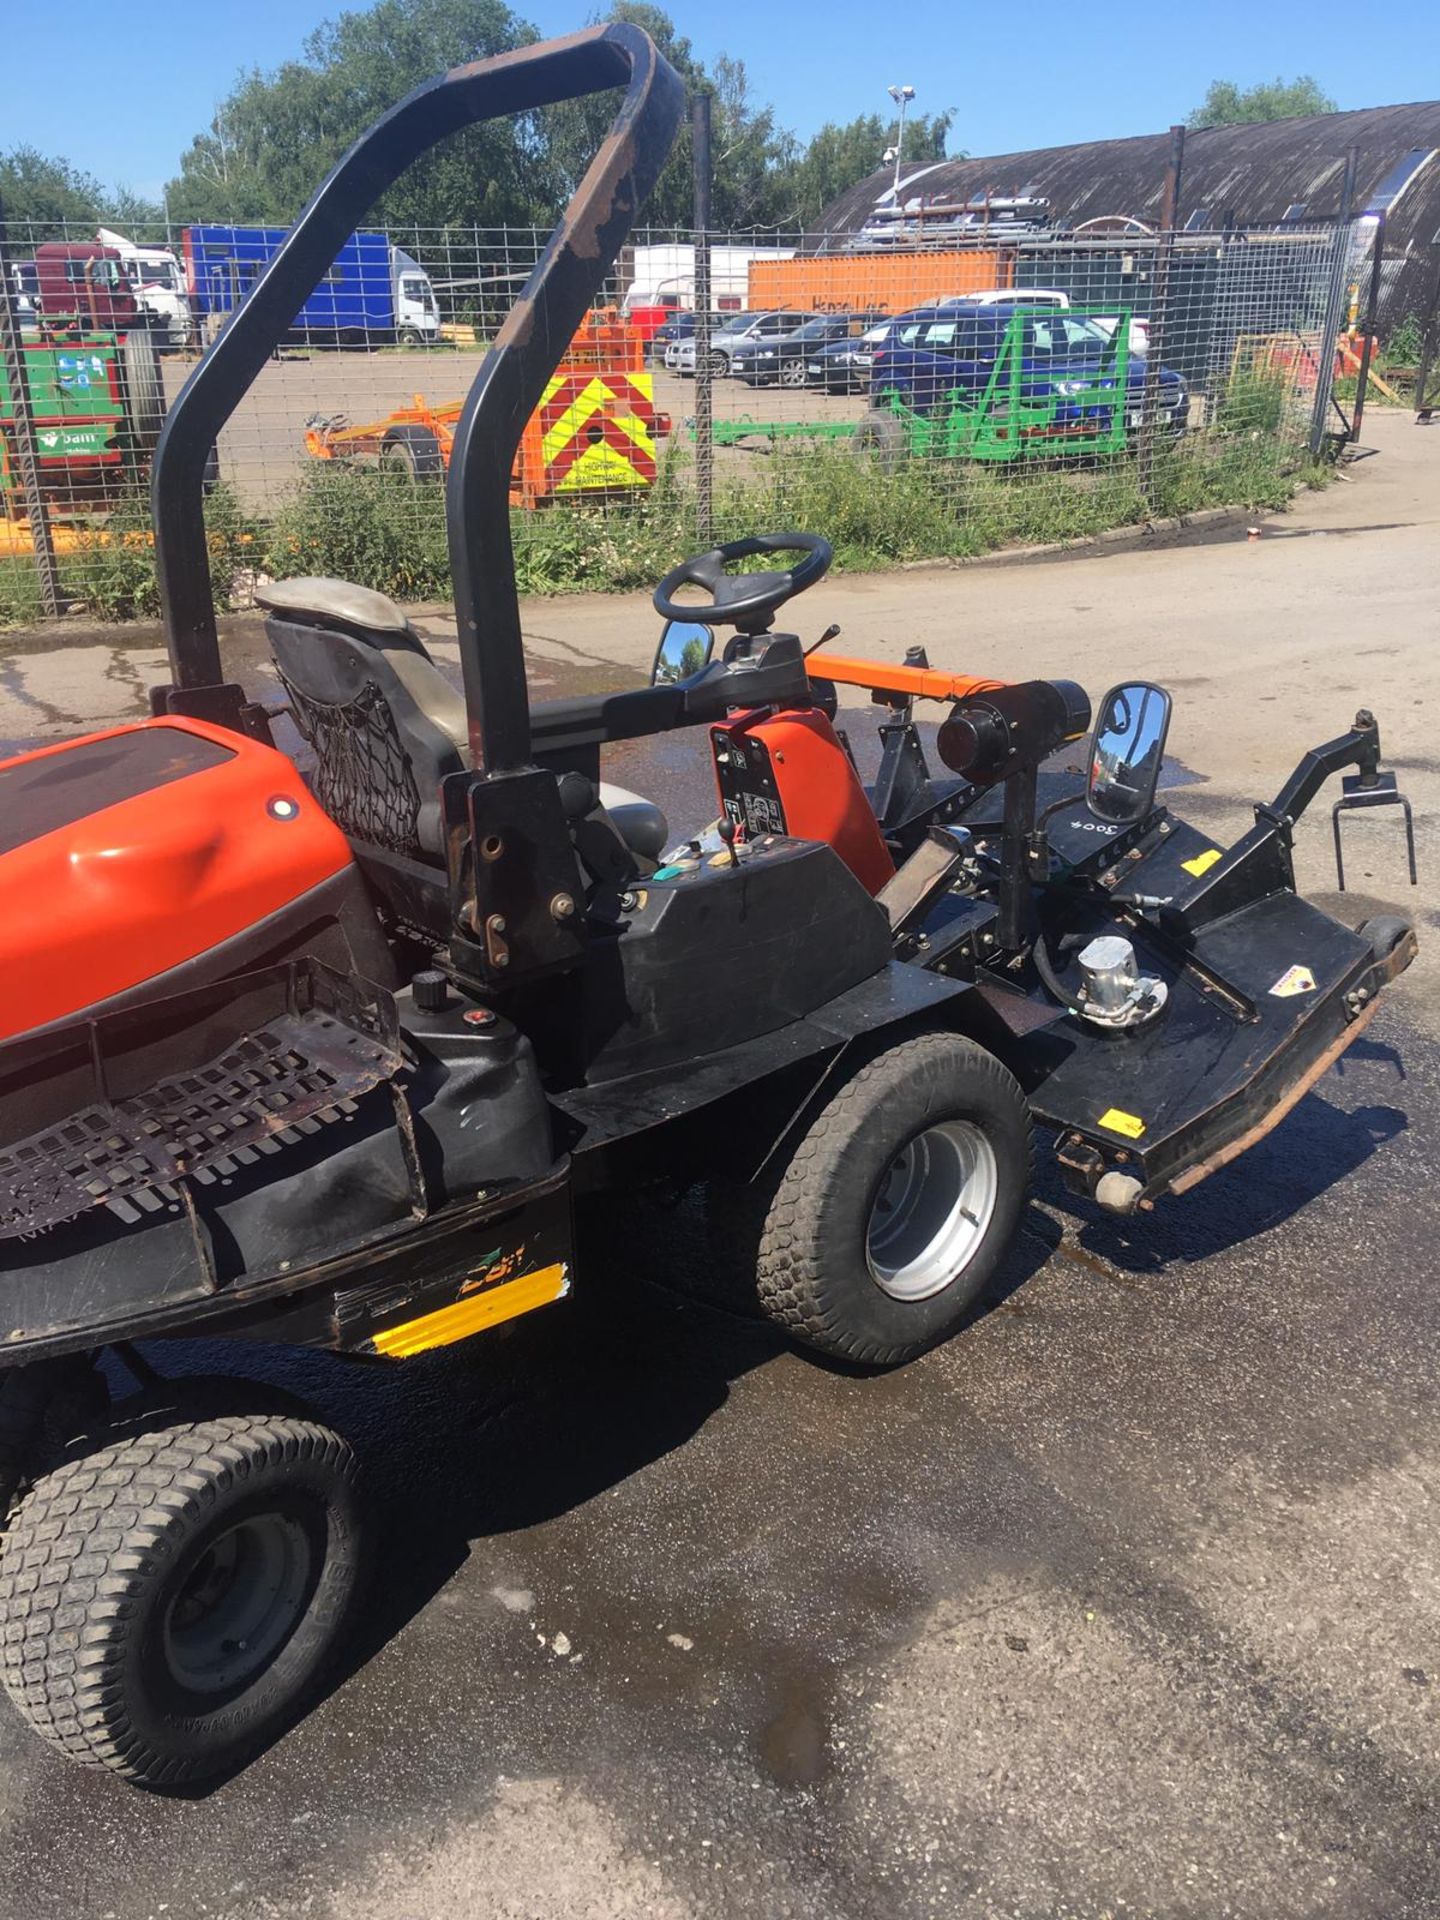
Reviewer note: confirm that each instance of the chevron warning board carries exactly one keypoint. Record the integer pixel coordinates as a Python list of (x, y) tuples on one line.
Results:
[(596, 433)]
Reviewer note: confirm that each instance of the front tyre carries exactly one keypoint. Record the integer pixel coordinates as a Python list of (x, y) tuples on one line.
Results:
[(168, 1601), (899, 1203)]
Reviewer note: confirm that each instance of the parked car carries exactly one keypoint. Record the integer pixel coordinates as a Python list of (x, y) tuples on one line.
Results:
[(1009, 296), (680, 354), (931, 358), (1139, 329), (681, 326), (762, 361), (844, 365)]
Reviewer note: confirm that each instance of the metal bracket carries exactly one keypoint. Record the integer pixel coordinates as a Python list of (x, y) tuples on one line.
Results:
[(1372, 790)]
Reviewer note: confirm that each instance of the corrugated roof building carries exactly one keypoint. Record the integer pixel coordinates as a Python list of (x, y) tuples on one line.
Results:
[(1247, 176)]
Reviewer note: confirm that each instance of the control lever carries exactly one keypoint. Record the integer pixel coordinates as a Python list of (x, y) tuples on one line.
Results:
[(725, 827)]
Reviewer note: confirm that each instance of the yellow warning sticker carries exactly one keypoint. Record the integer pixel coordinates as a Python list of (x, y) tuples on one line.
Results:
[(1294, 980), (1130, 1124), (1202, 862)]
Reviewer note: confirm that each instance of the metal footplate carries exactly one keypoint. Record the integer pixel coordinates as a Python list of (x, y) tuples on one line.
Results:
[(276, 1052)]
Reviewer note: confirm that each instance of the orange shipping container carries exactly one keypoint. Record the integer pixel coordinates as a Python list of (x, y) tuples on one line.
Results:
[(884, 282)]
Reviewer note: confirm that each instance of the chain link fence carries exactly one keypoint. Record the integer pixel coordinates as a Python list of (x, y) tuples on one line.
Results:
[(931, 401)]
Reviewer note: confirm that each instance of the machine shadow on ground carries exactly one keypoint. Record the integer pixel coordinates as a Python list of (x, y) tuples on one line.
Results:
[(539, 1417)]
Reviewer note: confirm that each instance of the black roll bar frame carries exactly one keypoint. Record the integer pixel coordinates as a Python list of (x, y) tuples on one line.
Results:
[(504, 394)]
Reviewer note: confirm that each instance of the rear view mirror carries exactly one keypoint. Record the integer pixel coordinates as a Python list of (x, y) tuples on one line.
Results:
[(685, 647), (1127, 751)]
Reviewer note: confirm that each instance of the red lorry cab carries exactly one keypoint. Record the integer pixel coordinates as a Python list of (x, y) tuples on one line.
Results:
[(81, 280)]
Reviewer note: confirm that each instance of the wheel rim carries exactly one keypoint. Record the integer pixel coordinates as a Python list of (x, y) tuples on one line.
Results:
[(931, 1211), (238, 1604), (792, 374)]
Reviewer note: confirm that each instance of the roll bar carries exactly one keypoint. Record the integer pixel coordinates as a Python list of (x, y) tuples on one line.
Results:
[(504, 394)]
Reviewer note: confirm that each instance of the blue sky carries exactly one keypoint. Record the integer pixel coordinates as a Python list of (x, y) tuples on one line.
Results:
[(128, 114)]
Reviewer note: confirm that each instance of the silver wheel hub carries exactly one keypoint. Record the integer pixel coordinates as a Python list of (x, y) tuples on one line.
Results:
[(931, 1210), (238, 1604)]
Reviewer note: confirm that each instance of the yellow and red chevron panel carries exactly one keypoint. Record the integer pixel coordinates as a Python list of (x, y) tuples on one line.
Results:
[(596, 433)]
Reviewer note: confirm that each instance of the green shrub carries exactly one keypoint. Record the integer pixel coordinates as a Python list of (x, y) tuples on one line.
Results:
[(372, 525), (1405, 344), (19, 593), (107, 564), (1255, 400), (380, 529)]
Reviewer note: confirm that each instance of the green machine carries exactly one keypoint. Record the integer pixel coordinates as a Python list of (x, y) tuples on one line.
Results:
[(97, 404), (1047, 383)]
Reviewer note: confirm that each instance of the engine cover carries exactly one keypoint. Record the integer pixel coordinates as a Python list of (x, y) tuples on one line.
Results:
[(128, 854)]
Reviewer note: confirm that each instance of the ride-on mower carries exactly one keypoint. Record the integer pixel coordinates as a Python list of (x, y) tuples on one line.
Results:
[(329, 1062)]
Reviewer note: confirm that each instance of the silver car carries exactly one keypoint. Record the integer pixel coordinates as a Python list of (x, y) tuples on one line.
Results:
[(680, 354)]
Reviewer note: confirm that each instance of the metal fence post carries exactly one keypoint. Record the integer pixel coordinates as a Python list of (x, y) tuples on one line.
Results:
[(704, 411), (1429, 326), (1367, 344), (1164, 252), (1334, 307), (23, 430)]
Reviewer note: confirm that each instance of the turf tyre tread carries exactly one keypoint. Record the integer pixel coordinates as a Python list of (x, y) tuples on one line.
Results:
[(808, 1288), (84, 1545)]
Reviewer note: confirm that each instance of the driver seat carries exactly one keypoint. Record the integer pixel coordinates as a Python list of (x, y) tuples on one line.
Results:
[(385, 723)]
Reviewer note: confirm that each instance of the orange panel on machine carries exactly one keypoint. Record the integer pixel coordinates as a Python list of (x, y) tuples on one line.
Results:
[(820, 792), (129, 852)]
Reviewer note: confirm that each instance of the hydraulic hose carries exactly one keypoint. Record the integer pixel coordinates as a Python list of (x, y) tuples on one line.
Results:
[(1051, 980)]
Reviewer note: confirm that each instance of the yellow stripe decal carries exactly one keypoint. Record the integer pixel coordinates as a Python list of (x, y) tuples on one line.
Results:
[(486, 1309), (1115, 1120)]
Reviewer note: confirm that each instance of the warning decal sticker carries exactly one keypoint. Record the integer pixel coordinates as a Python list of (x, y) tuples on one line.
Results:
[(1294, 980)]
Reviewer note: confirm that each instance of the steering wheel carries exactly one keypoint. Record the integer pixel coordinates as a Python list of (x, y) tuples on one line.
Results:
[(744, 600)]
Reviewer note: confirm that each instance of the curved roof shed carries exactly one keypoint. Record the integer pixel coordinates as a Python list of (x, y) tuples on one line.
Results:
[(1247, 176)]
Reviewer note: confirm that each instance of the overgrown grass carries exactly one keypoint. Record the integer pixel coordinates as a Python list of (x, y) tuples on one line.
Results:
[(107, 565), (380, 530)]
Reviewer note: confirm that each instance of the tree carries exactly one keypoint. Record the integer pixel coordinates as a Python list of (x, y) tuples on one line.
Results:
[(41, 194), (838, 157), (45, 198), (1228, 105), (277, 134)]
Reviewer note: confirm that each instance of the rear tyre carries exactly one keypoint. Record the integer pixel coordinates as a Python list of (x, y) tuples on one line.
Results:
[(899, 1204), (413, 451), (144, 391), (169, 1600), (881, 436)]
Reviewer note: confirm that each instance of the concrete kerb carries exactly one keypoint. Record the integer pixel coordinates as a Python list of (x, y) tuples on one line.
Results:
[(1110, 539)]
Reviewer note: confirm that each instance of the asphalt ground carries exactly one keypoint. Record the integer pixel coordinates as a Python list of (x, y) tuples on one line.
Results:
[(1124, 1602)]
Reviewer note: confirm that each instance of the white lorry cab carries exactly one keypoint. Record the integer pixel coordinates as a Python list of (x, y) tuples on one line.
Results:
[(417, 316), (157, 281)]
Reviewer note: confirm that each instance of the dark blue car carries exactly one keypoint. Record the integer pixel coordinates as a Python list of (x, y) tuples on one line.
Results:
[(932, 353)]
